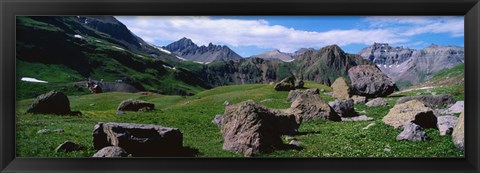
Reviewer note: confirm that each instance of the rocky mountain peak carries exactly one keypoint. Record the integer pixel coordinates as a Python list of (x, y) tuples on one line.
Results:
[(383, 53), (187, 49)]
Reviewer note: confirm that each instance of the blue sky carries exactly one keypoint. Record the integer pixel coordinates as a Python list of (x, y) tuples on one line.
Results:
[(250, 35)]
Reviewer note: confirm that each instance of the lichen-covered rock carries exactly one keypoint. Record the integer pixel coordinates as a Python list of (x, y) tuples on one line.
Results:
[(111, 151), (139, 139), (53, 102), (368, 80), (411, 111), (431, 101), (341, 89), (293, 94), (135, 105), (446, 124), (458, 135), (412, 132), (377, 102), (250, 128), (286, 84)]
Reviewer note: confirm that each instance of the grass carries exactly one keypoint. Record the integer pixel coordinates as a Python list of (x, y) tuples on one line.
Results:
[(193, 115)]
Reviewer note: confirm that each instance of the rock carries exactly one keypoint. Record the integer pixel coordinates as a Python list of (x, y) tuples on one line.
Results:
[(387, 149), (111, 151), (357, 118), (69, 146), (411, 111), (53, 102), (138, 139), (368, 126), (412, 132), (226, 103), (455, 108), (58, 131), (458, 135), (135, 105), (359, 99), (44, 131), (250, 128), (344, 108), (430, 101), (286, 84), (217, 120), (289, 138), (120, 112), (295, 143), (341, 89), (272, 83), (328, 93), (310, 106), (445, 124), (368, 80), (377, 102), (93, 104), (299, 84), (293, 94), (322, 90)]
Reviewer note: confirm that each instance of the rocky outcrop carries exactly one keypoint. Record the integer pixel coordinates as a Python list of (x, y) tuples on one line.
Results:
[(341, 89), (286, 84), (458, 135), (377, 102), (250, 128), (138, 139), (369, 81), (411, 111), (382, 53), (344, 108), (432, 101), (111, 151), (53, 102), (412, 132), (135, 105), (445, 124), (310, 106)]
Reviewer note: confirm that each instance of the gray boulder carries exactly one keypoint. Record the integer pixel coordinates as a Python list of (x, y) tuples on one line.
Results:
[(250, 128), (357, 118), (111, 151), (69, 146), (411, 111), (293, 94), (359, 99), (310, 106), (218, 120), (455, 108), (369, 81), (458, 135), (53, 102), (341, 89), (431, 101), (377, 102), (412, 132), (445, 124), (286, 84), (138, 139), (135, 105), (344, 108)]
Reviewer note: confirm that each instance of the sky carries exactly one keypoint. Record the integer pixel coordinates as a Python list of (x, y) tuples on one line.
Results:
[(251, 35)]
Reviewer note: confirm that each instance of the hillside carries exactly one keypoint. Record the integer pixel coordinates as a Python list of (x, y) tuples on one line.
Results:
[(73, 48), (193, 116)]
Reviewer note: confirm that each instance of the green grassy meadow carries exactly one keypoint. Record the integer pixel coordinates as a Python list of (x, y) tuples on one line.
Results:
[(193, 116)]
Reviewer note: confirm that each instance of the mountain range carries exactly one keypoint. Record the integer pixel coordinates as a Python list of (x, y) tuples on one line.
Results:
[(101, 47)]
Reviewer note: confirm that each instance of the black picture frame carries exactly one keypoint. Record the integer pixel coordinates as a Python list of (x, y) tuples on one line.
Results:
[(10, 8)]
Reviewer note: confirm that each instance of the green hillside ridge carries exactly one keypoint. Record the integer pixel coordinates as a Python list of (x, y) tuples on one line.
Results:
[(193, 116)]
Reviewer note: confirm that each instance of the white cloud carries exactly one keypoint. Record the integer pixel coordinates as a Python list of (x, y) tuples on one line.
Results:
[(415, 25), (235, 32)]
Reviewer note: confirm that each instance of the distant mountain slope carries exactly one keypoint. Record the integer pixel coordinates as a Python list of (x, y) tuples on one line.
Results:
[(186, 49), (100, 48), (275, 54), (327, 64), (409, 66)]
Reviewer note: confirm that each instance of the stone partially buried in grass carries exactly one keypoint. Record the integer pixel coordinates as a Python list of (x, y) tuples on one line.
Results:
[(135, 105), (293, 94), (411, 111), (68, 146), (286, 84), (412, 132), (53, 102), (111, 151), (377, 102), (250, 128), (446, 124), (310, 106), (139, 139)]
